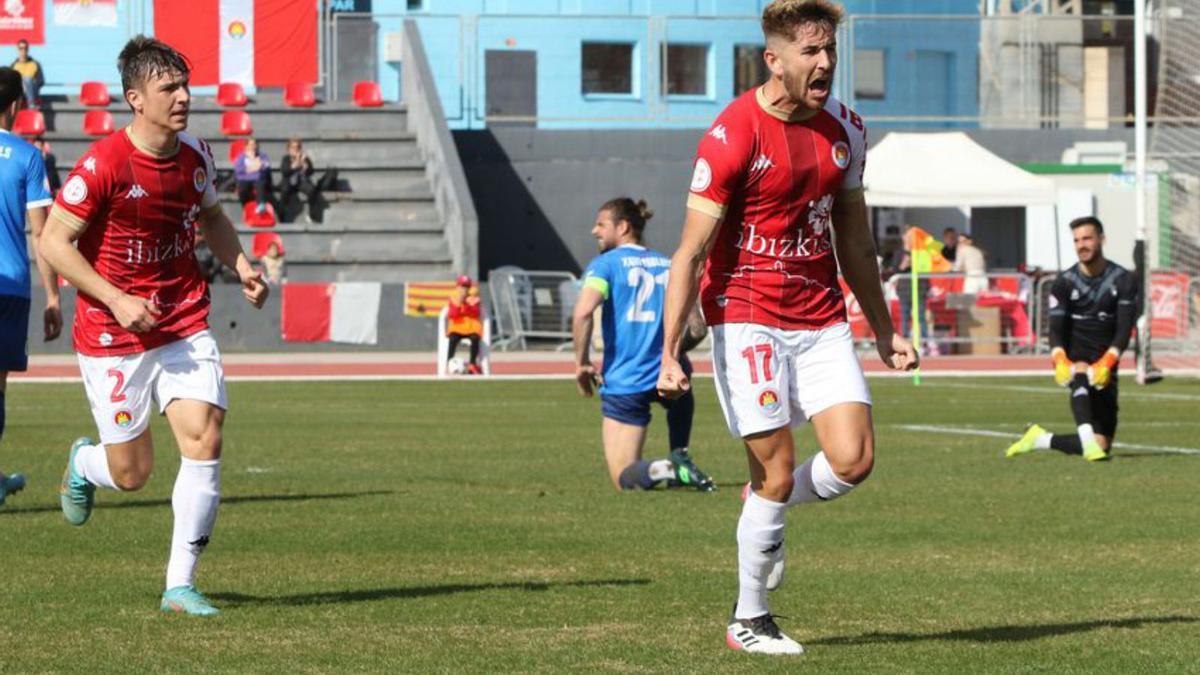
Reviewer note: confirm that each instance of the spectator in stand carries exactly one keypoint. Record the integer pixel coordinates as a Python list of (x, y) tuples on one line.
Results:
[(32, 77), (464, 321), (253, 173), (297, 170), (971, 262), (51, 164), (949, 243), (274, 265)]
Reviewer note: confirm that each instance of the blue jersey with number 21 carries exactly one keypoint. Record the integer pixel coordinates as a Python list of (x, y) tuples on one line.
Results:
[(633, 281)]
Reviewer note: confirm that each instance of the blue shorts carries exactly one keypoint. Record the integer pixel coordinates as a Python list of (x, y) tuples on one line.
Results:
[(14, 333), (635, 408)]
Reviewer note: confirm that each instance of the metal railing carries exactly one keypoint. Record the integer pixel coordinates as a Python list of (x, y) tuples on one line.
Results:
[(531, 305)]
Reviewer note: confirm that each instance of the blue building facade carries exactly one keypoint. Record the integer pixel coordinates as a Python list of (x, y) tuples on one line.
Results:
[(601, 63)]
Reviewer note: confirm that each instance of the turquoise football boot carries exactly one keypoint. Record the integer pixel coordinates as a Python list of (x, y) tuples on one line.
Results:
[(187, 600), (11, 485), (76, 495)]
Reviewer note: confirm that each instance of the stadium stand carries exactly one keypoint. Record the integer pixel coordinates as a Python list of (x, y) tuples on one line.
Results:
[(251, 218), (236, 123), (231, 95), (235, 148), (98, 123), (263, 240), (29, 122), (94, 94), (368, 95), (299, 95)]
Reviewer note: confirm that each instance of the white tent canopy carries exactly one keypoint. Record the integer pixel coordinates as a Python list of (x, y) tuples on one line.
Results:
[(948, 170)]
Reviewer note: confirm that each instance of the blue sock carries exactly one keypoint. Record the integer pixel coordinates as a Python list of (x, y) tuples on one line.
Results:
[(636, 476), (679, 420), (1, 414)]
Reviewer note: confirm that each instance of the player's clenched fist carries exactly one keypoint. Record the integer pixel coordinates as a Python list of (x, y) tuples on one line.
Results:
[(137, 315), (586, 377), (898, 353), (1100, 372), (672, 381), (1063, 368), (253, 286)]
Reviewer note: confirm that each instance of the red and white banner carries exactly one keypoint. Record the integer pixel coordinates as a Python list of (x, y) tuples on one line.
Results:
[(264, 43), (85, 12), (1169, 304), (22, 20), (339, 312)]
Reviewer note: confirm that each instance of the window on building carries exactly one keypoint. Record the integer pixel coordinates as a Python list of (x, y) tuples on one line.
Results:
[(607, 68), (869, 73), (415, 4), (685, 70), (749, 68)]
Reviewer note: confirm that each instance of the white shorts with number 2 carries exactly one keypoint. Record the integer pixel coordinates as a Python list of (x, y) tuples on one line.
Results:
[(769, 378), (121, 388)]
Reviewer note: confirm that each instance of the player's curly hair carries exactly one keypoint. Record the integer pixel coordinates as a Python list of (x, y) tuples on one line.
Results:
[(144, 57), (782, 17), (634, 213)]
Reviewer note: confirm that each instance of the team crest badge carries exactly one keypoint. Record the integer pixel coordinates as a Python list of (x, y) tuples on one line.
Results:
[(199, 179), (769, 401), (702, 176), (841, 154), (75, 191), (123, 419)]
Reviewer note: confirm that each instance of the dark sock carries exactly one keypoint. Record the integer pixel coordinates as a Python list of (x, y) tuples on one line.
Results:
[(1081, 400), (636, 476), (1, 414), (1067, 443), (679, 420)]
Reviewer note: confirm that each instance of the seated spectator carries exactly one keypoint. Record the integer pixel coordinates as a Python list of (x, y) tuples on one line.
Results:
[(273, 264), (32, 77), (464, 321), (51, 164), (252, 170), (297, 169)]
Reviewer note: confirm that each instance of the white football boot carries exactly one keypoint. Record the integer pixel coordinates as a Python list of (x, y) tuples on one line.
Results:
[(760, 635)]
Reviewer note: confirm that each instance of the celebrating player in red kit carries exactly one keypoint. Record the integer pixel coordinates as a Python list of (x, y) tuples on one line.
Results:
[(132, 205), (780, 168)]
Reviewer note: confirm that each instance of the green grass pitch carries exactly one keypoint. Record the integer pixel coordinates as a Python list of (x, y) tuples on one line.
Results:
[(469, 527)]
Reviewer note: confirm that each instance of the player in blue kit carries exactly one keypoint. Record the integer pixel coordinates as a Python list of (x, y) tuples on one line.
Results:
[(23, 192), (630, 281)]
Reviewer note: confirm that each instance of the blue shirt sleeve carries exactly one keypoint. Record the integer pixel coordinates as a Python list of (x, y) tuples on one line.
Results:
[(37, 188)]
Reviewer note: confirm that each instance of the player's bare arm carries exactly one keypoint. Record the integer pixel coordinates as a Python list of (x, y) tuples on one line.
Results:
[(52, 315), (699, 231), (856, 256), (58, 248), (223, 240), (581, 330)]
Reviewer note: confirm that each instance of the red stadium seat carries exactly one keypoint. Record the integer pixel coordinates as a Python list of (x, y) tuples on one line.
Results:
[(263, 240), (299, 95), (236, 148), (98, 123), (236, 123), (252, 218), (94, 94), (368, 94), (231, 95), (29, 122)]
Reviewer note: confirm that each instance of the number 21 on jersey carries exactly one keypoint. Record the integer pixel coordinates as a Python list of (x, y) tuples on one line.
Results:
[(643, 283)]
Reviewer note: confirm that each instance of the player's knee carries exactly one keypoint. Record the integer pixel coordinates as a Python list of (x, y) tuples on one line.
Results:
[(855, 467), (129, 476), (205, 445), (777, 488)]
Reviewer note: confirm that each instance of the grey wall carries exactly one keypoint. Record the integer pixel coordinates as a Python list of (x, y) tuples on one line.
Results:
[(241, 328), (537, 191)]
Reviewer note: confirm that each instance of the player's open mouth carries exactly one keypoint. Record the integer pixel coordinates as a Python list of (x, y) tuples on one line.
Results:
[(819, 85)]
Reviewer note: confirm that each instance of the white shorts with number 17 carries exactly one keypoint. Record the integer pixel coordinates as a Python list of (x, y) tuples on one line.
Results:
[(121, 389), (769, 378)]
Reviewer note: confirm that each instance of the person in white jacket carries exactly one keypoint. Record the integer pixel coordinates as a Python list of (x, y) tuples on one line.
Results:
[(970, 261)]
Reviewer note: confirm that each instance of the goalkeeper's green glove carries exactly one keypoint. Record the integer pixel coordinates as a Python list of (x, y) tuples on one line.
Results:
[(1063, 368)]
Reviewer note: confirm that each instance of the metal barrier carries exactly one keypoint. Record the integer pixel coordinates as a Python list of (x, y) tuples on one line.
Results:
[(532, 305)]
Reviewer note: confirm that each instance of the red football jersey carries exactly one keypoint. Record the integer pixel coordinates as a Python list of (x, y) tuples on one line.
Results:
[(137, 212), (773, 178)]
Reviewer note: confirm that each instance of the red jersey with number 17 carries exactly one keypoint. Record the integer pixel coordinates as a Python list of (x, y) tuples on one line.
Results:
[(137, 212), (773, 178)]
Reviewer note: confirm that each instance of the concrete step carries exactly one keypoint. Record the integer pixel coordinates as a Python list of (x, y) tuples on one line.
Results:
[(365, 271), (375, 247), (354, 215), (365, 229), (397, 150), (267, 121)]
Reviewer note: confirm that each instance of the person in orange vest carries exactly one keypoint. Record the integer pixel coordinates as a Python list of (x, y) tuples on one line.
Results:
[(464, 321)]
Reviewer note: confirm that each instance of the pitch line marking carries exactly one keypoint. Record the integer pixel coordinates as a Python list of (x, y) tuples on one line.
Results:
[(990, 433), (1161, 396)]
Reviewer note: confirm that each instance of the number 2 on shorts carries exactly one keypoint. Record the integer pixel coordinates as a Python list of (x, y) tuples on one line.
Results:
[(750, 353), (117, 395)]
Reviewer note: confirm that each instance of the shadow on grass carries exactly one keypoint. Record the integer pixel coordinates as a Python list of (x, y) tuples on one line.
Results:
[(246, 499), (1003, 633), (407, 592)]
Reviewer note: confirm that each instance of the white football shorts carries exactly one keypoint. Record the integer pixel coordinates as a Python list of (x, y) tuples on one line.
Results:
[(120, 388), (768, 378)]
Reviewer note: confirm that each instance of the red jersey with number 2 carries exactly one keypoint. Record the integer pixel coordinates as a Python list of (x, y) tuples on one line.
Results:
[(137, 211), (773, 178)]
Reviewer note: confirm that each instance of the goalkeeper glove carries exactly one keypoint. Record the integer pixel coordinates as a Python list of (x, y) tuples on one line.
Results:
[(1100, 372), (1063, 368)]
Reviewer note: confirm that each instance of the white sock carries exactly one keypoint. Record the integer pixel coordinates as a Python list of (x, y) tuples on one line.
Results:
[(1043, 442), (91, 462), (816, 481), (197, 494), (661, 469), (1086, 434), (759, 533)]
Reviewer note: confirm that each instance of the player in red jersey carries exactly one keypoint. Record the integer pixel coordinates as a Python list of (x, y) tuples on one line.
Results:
[(132, 205), (779, 169)]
